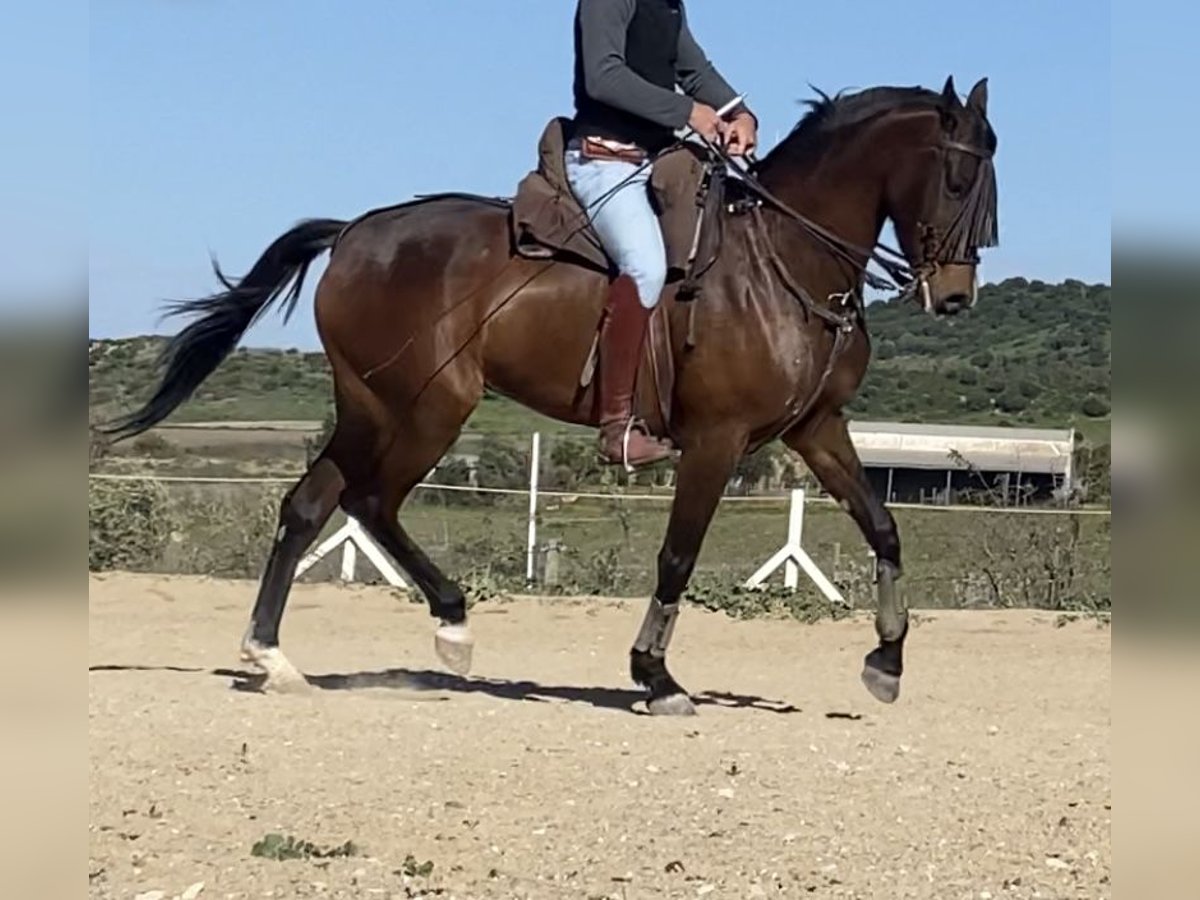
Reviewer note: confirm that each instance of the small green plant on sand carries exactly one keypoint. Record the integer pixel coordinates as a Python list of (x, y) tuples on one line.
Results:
[(414, 869), (276, 846)]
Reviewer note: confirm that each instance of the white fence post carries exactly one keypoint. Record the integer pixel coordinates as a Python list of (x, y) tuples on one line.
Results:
[(534, 466), (349, 560), (793, 557), (351, 538), (791, 570)]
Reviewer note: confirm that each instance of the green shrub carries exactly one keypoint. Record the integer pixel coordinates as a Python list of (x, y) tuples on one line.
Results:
[(501, 464), (129, 524), (754, 467), (995, 383), (1011, 401), (572, 463), (227, 536), (976, 400)]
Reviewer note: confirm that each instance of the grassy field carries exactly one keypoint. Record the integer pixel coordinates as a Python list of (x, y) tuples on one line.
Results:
[(613, 545), (952, 558)]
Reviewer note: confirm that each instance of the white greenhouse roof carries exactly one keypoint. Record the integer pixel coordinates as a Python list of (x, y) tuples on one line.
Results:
[(905, 445)]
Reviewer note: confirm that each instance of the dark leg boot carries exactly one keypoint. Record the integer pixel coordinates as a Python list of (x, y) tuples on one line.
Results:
[(623, 439)]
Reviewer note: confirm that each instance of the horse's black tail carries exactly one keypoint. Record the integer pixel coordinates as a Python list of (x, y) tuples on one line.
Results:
[(194, 354)]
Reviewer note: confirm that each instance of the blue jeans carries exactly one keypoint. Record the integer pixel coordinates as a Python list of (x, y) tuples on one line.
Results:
[(624, 220)]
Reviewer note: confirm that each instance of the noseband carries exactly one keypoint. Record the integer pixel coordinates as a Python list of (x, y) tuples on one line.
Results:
[(973, 225)]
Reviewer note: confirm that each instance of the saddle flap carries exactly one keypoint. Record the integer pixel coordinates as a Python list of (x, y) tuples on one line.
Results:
[(535, 210), (659, 365), (547, 221)]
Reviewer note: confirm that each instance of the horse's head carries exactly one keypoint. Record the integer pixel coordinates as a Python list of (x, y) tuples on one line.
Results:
[(941, 198)]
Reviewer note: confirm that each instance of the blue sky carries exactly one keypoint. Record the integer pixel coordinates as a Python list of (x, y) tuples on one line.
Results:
[(215, 125), (43, 155)]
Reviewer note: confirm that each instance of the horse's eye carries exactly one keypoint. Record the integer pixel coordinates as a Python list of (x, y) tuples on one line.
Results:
[(955, 181)]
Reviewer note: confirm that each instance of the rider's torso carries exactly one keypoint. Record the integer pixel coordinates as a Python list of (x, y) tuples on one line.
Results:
[(651, 47)]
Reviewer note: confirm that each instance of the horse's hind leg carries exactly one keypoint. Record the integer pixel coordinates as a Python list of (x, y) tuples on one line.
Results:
[(417, 438), (829, 453), (302, 514), (376, 509)]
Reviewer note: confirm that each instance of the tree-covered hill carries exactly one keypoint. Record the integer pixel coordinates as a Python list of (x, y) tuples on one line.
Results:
[(1028, 353)]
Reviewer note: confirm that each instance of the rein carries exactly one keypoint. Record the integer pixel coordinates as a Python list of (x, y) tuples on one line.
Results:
[(898, 272)]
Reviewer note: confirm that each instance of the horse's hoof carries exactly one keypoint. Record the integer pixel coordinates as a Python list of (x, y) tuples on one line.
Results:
[(883, 687), (281, 676), (672, 705), (287, 684), (454, 645)]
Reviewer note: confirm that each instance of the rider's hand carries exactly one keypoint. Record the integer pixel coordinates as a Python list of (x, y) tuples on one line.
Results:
[(741, 135), (706, 123)]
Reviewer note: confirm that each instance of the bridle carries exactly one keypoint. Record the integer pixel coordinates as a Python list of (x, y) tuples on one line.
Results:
[(972, 226)]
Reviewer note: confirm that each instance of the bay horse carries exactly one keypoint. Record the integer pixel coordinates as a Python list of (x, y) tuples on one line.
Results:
[(424, 305)]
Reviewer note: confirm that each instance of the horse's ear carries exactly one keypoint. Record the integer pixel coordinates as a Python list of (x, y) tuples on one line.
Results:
[(977, 99), (950, 95)]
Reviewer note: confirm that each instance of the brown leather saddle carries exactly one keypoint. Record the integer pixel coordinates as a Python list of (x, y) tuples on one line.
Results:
[(686, 191)]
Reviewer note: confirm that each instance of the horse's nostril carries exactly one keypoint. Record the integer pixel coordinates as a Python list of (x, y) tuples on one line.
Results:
[(954, 304)]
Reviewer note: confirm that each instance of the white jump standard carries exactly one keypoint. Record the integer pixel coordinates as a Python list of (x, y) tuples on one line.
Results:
[(793, 557)]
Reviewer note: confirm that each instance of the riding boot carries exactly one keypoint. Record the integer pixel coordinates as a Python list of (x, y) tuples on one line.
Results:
[(624, 439)]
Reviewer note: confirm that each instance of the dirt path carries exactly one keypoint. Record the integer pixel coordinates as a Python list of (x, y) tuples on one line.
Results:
[(991, 777)]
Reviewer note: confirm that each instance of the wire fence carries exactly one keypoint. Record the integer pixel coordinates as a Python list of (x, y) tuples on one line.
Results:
[(605, 540)]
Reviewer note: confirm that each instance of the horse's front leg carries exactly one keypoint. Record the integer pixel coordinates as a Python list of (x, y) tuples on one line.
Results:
[(704, 470), (827, 450)]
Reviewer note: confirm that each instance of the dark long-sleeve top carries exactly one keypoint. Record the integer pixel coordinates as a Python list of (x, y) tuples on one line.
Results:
[(609, 80)]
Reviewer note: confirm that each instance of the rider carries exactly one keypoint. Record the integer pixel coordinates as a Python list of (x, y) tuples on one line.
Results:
[(629, 57)]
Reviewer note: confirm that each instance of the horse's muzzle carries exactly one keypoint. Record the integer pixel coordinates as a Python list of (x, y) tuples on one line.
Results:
[(954, 304)]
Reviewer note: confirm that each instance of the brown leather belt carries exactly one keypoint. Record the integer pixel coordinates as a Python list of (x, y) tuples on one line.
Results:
[(594, 148)]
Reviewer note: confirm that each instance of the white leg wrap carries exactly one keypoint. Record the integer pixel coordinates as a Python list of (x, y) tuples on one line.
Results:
[(454, 644), (657, 628), (282, 676)]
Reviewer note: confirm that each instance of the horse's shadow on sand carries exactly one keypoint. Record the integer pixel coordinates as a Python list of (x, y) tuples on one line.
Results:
[(427, 684), (435, 685)]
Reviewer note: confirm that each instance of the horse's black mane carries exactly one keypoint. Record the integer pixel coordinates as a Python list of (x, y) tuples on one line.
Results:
[(826, 114)]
